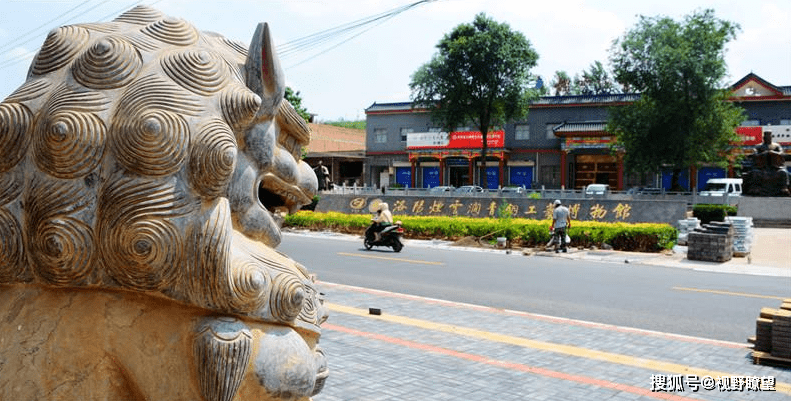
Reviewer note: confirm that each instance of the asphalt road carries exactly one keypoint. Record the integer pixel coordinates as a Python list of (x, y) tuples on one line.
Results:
[(667, 299)]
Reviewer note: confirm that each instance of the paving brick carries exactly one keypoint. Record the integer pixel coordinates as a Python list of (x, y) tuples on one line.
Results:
[(396, 361)]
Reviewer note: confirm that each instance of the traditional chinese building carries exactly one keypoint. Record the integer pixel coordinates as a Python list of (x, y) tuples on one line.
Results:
[(563, 142)]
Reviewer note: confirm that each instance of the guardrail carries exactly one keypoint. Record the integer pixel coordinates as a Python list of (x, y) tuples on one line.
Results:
[(691, 198)]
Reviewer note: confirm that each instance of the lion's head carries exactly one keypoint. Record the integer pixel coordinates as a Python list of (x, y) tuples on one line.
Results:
[(145, 155)]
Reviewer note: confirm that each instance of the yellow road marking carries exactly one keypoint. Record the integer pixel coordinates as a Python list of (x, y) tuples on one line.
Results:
[(739, 294), (570, 350), (423, 262)]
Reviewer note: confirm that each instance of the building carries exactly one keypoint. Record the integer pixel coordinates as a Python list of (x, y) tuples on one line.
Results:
[(563, 143), (342, 150)]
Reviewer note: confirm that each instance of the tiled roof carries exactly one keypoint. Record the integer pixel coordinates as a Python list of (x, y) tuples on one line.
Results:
[(587, 99), (546, 100), (385, 107), (584, 126)]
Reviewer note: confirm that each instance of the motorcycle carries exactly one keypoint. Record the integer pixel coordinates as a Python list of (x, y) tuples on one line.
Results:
[(389, 236)]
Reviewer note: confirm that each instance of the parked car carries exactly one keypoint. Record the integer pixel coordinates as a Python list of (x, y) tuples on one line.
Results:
[(597, 190), (722, 186), (468, 189), (514, 190), (440, 190)]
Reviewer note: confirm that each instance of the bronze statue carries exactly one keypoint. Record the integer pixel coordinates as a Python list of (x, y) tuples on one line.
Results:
[(766, 174), (145, 167)]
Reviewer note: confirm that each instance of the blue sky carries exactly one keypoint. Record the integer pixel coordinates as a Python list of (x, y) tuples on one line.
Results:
[(339, 80)]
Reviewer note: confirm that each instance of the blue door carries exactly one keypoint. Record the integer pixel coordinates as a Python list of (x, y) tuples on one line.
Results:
[(521, 175), (404, 176), (683, 179), (430, 177), (708, 172), (492, 177)]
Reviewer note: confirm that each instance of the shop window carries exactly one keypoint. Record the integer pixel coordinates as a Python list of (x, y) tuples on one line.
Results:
[(380, 135), (522, 132)]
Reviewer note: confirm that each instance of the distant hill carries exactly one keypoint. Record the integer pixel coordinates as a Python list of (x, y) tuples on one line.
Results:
[(347, 124)]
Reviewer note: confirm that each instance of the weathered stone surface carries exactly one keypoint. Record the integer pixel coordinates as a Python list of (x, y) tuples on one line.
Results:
[(71, 344), (144, 170)]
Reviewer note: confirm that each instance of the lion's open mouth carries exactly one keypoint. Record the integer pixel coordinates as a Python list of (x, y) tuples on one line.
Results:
[(279, 197)]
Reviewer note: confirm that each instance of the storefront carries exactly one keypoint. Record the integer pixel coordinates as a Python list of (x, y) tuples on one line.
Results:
[(441, 158)]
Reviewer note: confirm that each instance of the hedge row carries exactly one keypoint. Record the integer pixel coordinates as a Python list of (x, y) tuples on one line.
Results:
[(642, 237), (707, 213)]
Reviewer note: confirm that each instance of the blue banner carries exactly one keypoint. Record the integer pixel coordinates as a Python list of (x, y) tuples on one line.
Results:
[(492, 177), (683, 179), (521, 176), (430, 177), (404, 176), (708, 172)]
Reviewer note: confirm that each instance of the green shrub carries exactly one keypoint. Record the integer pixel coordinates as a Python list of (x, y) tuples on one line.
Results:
[(643, 237), (707, 213)]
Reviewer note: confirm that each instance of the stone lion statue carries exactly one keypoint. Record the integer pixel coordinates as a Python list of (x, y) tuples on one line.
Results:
[(145, 168)]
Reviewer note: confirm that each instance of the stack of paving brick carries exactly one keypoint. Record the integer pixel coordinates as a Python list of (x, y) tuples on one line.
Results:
[(742, 235), (685, 227), (712, 242), (772, 341)]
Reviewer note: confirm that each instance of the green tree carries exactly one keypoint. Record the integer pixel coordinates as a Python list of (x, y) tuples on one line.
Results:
[(296, 101), (595, 81), (480, 75), (561, 83), (683, 117)]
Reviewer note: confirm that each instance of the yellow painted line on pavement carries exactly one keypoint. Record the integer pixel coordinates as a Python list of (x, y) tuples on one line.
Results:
[(570, 350), (738, 294), (422, 262)]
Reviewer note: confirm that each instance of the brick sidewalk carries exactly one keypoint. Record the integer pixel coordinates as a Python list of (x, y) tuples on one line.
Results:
[(425, 349)]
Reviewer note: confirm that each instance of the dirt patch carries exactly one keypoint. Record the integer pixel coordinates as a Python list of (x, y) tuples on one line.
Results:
[(467, 241)]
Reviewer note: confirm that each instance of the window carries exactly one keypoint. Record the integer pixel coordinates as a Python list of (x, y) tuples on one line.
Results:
[(785, 122), (380, 135), (522, 131), (404, 132), (550, 131), (550, 176), (463, 129), (435, 129), (751, 123)]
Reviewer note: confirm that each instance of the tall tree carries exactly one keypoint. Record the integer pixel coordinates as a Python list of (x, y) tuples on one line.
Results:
[(480, 75), (561, 83), (683, 117), (595, 81), (296, 100)]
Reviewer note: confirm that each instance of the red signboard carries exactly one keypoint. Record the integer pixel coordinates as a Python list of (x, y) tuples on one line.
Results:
[(750, 135), (455, 140), (474, 140)]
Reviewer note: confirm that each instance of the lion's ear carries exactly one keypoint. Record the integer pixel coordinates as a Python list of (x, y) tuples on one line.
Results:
[(264, 75)]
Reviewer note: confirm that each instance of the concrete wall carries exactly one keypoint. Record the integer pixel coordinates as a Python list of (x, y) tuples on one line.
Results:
[(766, 212), (629, 211)]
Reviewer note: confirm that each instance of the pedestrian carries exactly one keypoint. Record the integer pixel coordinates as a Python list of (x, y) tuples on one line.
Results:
[(561, 221), (323, 176)]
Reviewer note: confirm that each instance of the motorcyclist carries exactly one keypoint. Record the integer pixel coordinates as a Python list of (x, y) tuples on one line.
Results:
[(382, 219)]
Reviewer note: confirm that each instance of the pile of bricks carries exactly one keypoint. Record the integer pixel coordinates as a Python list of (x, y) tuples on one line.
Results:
[(772, 341), (712, 242)]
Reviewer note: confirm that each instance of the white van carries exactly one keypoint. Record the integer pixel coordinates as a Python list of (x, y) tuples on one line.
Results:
[(722, 186)]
